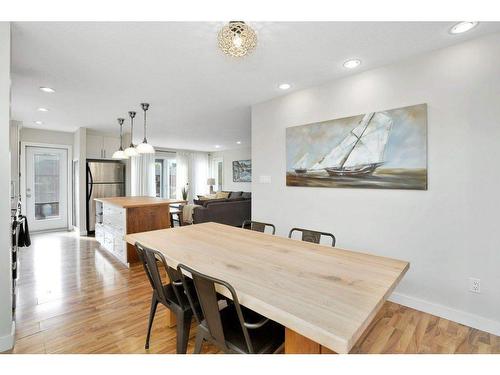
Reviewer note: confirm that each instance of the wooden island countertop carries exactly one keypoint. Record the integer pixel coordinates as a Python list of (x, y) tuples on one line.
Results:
[(133, 202), (117, 217)]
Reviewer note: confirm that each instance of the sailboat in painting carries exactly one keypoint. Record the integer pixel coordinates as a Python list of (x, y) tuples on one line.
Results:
[(301, 165), (361, 152)]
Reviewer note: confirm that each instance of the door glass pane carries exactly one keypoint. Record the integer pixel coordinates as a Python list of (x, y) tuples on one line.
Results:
[(47, 194), (159, 177), (172, 178)]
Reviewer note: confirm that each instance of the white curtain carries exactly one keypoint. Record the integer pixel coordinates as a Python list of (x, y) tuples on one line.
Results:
[(192, 170), (198, 174), (182, 172), (142, 173)]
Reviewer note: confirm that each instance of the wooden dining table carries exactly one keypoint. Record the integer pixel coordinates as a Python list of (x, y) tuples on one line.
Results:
[(325, 297)]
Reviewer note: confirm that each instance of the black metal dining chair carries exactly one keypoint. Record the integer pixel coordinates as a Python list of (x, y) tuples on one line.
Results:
[(258, 226), (234, 328), (171, 295), (312, 235)]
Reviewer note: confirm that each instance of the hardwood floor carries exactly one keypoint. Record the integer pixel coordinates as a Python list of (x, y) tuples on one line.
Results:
[(75, 298)]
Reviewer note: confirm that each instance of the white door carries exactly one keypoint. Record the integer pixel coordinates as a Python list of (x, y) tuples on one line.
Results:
[(46, 188)]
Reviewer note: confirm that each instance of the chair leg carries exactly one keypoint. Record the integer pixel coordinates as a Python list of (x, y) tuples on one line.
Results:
[(199, 342), (152, 312), (183, 327)]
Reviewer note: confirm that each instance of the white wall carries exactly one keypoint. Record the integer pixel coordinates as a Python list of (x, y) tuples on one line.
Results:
[(46, 136), (80, 154), (6, 325), (15, 130), (228, 156), (448, 233)]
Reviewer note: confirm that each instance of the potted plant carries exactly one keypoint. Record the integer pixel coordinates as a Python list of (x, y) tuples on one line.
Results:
[(185, 191)]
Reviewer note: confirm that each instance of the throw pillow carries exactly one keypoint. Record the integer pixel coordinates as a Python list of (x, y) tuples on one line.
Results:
[(207, 197), (246, 195), (235, 194), (222, 195)]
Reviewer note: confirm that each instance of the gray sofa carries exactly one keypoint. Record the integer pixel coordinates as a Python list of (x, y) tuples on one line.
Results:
[(231, 211)]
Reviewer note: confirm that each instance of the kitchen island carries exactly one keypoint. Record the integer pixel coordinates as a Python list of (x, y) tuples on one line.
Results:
[(118, 216)]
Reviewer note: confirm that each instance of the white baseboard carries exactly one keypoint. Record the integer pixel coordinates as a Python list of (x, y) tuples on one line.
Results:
[(468, 319), (7, 341)]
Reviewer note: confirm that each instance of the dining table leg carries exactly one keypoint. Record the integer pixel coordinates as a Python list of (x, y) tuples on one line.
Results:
[(295, 343)]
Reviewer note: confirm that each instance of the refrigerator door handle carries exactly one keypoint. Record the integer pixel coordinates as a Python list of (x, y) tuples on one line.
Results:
[(91, 182)]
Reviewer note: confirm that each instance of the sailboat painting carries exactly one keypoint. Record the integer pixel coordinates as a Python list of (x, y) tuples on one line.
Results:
[(380, 150)]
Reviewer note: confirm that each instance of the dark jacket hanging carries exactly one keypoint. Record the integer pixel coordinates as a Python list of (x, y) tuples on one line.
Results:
[(24, 234)]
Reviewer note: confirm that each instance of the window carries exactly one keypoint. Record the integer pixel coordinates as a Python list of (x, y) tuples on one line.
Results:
[(46, 186), (159, 177), (172, 178), (216, 171), (165, 177)]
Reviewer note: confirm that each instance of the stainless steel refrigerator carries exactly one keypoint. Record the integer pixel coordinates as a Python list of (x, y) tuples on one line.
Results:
[(104, 179)]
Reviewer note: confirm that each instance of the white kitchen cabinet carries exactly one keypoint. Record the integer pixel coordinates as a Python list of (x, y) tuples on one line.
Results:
[(101, 147), (109, 146), (111, 233), (94, 146)]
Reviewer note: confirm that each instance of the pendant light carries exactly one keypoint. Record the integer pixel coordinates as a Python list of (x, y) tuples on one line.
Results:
[(130, 151), (145, 147), (120, 154)]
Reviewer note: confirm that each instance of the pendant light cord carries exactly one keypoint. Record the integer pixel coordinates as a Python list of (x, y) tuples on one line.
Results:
[(145, 140), (121, 136), (132, 115)]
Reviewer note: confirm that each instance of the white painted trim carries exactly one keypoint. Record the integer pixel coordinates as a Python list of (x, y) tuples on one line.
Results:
[(7, 341), (69, 188), (80, 231), (459, 316)]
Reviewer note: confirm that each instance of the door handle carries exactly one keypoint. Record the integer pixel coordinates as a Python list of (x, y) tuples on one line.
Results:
[(28, 195)]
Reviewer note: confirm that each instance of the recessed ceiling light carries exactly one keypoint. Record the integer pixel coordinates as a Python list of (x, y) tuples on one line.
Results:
[(41, 109), (351, 64), (217, 146), (238, 142), (39, 122), (463, 27), (47, 89), (284, 86)]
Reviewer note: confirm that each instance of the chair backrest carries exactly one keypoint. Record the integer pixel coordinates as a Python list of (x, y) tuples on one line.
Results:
[(312, 235), (258, 226), (150, 259), (205, 287)]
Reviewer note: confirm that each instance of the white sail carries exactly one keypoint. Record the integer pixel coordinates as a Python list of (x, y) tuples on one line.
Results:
[(370, 148), (303, 162), (338, 154)]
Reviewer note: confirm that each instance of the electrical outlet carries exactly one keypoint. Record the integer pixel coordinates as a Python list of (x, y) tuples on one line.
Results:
[(474, 285)]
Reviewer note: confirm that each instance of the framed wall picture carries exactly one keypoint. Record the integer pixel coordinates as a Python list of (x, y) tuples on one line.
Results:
[(242, 171), (375, 150)]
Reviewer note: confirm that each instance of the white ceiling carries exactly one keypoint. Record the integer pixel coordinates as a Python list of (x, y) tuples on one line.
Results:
[(199, 97)]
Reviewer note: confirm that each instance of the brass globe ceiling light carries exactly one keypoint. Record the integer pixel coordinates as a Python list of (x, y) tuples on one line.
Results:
[(120, 154), (145, 147), (237, 39)]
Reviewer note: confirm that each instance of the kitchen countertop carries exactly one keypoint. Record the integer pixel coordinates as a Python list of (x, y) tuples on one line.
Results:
[(133, 202)]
